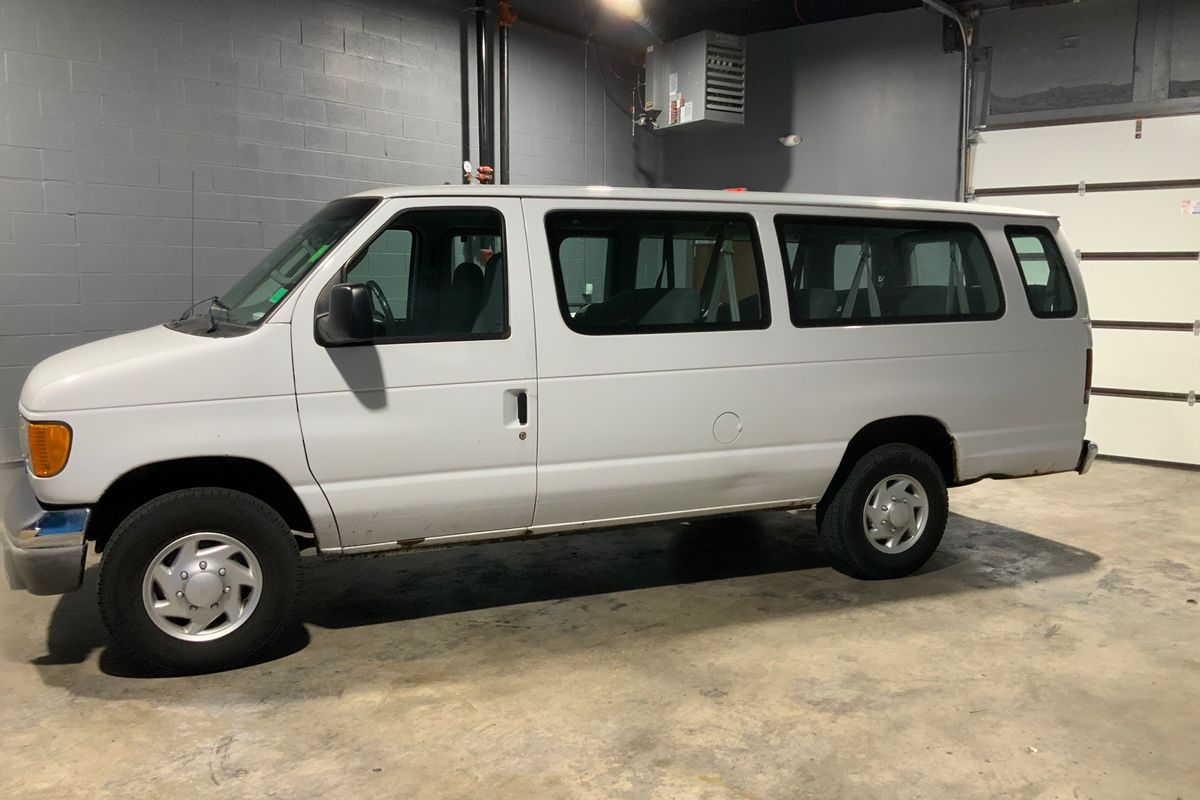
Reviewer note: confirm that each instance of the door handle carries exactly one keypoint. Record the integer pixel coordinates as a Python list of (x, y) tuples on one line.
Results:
[(522, 408)]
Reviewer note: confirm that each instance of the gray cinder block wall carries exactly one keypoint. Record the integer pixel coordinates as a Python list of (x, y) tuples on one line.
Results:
[(583, 107), (875, 99), (110, 109)]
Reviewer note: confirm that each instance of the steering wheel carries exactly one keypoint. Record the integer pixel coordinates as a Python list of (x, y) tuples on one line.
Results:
[(380, 301)]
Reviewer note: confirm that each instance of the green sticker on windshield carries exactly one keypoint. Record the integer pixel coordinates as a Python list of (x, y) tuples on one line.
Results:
[(279, 293), (320, 252)]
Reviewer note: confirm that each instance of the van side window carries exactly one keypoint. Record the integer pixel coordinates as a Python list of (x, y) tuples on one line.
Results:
[(1043, 271), (868, 271), (388, 262), (584, 262), (436, 274), (657, 272)]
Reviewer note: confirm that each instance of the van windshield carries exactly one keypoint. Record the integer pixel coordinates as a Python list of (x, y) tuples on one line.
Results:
[(249, 301)]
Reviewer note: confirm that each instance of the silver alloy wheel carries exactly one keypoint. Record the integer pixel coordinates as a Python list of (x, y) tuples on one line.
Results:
[(896, 514), (202, 586)]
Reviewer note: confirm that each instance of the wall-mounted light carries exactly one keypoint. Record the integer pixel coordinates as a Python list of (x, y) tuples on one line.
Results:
[(791, 140)]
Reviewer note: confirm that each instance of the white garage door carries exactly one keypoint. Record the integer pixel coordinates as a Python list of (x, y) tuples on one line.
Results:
[(1128, 194)]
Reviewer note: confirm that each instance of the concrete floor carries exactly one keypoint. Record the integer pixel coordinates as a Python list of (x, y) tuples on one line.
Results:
[(1049, 650)]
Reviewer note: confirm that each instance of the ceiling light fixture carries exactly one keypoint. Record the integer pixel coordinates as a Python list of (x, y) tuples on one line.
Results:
[(629, 9)]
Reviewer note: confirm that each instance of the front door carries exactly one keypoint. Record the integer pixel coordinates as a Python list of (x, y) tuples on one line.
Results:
[(430, 429)]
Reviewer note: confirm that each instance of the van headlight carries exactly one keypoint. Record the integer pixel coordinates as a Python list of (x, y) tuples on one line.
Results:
[(47, 445)]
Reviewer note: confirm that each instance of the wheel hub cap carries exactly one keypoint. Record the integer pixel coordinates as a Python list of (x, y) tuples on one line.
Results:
[(895, 514), (202, 586), (899, 515), (203, 589)]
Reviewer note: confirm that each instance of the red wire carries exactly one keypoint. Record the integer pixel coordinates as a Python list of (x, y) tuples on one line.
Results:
[(796, 9)]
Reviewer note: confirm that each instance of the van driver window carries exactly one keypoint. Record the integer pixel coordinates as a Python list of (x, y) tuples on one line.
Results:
[(652, 272), (436, 273)]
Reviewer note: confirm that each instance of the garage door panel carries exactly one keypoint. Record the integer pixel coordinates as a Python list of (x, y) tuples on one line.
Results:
[(1092, 152), (1157, 361), (1121, 221), (1135, 223), (1157, 291), (1151, 429)]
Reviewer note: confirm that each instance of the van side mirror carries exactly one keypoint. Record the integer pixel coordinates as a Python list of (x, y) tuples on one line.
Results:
[(350, 319)]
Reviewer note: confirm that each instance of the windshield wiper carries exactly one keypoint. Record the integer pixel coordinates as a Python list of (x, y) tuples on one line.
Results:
[(212, 320), (188, 311), (214, 302)]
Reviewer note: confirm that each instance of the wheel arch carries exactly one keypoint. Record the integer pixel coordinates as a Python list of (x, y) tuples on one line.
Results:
[(928, 434), (144, 483)]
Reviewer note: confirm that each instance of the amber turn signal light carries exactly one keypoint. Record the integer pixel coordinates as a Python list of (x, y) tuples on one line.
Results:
[(49, 447)]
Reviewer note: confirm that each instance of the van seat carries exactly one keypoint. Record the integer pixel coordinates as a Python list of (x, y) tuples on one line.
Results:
[(1041, 299), (643, 307), (930, 301), (922, 301), (814, 303), (862, 303), (491, 314), (749, 309), (464, 299)]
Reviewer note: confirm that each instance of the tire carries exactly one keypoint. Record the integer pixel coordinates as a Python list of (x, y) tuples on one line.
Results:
[(871, 544), (251, 573)]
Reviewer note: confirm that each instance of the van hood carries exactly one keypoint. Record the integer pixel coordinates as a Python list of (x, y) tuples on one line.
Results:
[(161, 365)]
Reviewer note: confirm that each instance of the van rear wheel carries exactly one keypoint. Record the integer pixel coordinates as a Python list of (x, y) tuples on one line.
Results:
[(888, 516), (199, 579)]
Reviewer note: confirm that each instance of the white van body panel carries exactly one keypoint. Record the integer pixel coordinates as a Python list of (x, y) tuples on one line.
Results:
[(415, 440), (603, 196), (1009, 393), (158, 395), (156, 366), (394, 445)]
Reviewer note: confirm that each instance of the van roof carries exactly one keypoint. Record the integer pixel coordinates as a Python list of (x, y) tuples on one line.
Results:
[(701, 195)]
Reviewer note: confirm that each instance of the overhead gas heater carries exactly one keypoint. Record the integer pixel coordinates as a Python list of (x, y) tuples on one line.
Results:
[(697, 82)]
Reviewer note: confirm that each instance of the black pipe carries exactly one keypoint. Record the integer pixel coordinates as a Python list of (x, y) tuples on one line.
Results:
[(464, 90), (504, 149), (487, 152)]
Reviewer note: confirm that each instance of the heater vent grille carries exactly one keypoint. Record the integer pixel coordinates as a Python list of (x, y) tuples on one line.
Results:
[(725, 78), (697, 82)]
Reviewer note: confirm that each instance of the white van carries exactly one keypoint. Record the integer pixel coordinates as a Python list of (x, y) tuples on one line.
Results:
[(421, 367)]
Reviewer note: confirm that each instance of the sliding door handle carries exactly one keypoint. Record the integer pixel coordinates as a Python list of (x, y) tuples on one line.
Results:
[(522, 408)]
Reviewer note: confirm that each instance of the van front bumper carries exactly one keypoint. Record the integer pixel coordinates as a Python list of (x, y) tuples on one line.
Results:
[(43, 550), (1087, 455)]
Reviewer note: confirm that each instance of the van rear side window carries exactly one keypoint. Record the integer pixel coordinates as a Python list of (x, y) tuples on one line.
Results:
[(1043, 271), (584, 262), (653, 272), (868, 271)]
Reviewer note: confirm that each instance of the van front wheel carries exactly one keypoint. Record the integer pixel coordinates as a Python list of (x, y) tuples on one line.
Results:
[(888, 516), (199, 579)]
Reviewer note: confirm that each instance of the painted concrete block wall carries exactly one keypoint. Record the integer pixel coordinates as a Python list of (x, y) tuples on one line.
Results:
[(571, 114), (875, 99), (109, 109)]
